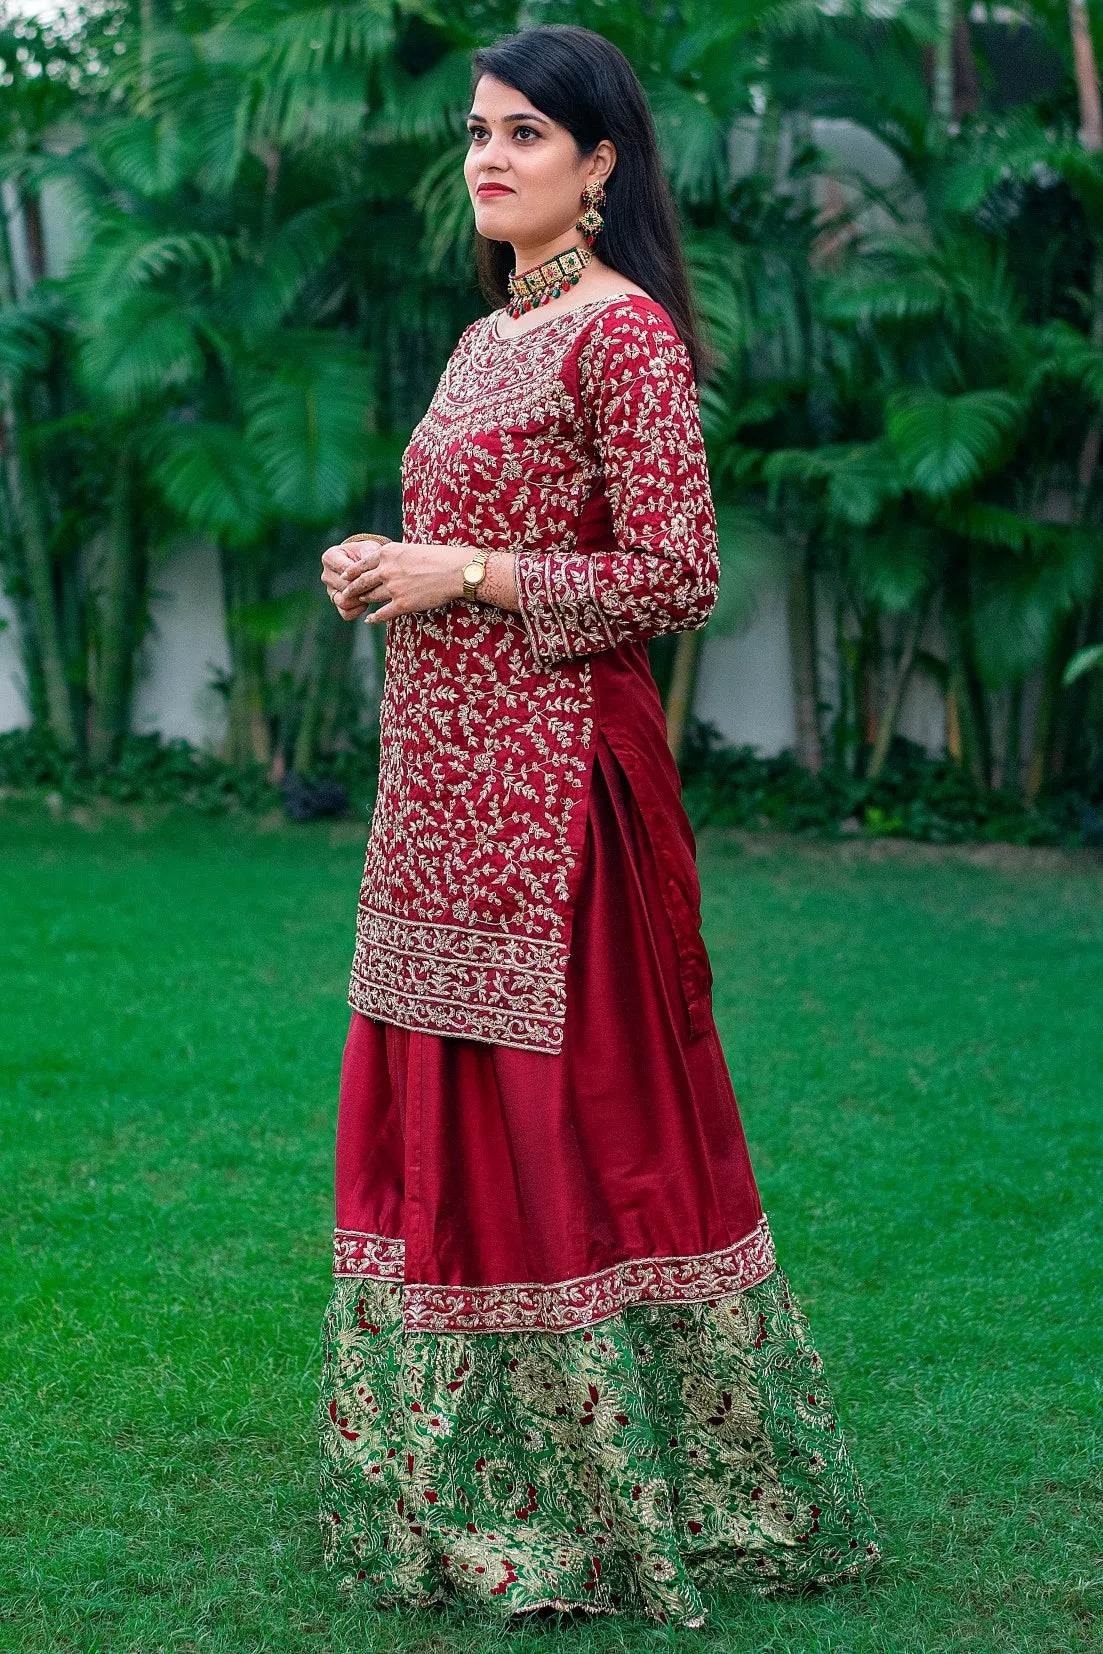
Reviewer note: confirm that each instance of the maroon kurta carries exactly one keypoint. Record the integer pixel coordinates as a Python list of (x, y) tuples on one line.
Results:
[(577, 446)]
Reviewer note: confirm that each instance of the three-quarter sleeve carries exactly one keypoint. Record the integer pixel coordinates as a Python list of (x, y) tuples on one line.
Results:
[(639, 401)]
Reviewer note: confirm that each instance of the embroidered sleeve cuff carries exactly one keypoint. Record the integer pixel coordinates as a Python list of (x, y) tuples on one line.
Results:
[(560, 608)]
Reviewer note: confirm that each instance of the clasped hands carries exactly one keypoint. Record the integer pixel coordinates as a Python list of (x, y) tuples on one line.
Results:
[(402, 575)]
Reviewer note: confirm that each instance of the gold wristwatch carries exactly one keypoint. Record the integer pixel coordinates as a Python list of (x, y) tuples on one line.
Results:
[(474, 573)]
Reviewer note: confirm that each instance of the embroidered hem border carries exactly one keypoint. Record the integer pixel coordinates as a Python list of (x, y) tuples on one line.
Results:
[(557, 1306), (465, 983)]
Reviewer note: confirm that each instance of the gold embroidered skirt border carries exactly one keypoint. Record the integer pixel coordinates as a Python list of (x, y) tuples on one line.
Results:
[(556, 1306)]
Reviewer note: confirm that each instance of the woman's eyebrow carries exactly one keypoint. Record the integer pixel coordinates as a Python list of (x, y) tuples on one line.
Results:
[(525, 115)]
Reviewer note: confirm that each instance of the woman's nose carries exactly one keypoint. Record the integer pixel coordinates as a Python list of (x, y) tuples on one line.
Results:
[(494, 153)]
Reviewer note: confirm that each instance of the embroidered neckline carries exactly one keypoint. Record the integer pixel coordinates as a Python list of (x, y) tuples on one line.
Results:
[(575, 310)]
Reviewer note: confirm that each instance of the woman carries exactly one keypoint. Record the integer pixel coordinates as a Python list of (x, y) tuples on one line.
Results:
[(563, 1370)]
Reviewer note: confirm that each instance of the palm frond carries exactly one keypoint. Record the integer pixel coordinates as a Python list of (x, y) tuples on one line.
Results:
[(944, 442), (309, 425), (894, 568), (1084, 660), (25, 339), (271, 619), (861, 478), (426, 108), (358, 32), (751, 553), (1018, 146), (150, 157), (869, 294), (441, 197), (1059, 353), (150, 347), (326, 108), (998, 525), (124, 256), (691, 140), (293, 256), (209, 478)]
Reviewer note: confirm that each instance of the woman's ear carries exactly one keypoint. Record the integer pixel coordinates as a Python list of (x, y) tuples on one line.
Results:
[(602, 162)]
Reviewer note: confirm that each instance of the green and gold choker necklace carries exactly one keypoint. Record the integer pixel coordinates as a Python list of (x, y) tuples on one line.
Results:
[(546, 281)]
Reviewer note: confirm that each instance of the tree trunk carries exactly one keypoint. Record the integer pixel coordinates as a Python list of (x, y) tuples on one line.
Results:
[(306, 735), (110, 717), (34, 240), (801, 617), (1091, 137), (1045, 720), (953, 722), (894, 701), (942, 79), (679, 695), (840, 742), (1010, 778), (1087, 76), (964, 728), (338, 638), (248, 735), (29, 512)]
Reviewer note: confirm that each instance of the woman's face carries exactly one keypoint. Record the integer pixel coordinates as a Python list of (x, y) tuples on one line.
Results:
[(524, 173)]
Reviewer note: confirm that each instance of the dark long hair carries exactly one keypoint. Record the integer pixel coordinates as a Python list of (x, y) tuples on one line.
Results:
[(583, 82)]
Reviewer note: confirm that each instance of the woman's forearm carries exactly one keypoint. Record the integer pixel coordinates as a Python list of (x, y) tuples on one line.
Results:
[(499, 584)]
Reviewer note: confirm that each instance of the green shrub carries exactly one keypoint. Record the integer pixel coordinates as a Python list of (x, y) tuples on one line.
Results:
[(916, 796), (151, 770)]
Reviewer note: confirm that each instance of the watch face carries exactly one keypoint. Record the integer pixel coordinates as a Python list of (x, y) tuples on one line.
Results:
[(473, 573)]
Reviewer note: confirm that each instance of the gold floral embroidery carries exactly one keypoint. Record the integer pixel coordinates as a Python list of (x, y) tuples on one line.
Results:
[(637, 387), (487, 725), (557, 1306), (640, 1464)]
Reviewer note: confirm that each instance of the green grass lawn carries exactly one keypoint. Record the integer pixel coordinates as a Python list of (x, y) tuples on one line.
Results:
[(917, 1045)]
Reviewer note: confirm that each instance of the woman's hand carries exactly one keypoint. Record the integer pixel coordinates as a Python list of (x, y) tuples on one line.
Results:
[(339, 565), (404, 576)]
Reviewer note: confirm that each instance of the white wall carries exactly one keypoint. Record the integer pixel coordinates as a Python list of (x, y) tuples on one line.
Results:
[(13, 705), (744, 685), (186, 646)]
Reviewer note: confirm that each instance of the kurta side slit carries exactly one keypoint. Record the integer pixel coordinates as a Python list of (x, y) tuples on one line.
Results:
[(562, 1365)]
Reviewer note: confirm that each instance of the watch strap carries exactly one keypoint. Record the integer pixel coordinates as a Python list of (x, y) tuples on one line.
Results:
[(471, 587)]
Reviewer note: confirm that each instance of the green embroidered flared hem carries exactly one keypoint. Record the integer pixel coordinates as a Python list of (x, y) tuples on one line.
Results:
[(672, 1450)]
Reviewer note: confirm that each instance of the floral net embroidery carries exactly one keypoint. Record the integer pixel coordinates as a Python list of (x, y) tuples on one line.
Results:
[(671, 1451)]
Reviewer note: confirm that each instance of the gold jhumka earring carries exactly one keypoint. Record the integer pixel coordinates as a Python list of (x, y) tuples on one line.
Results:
[(590, 221)]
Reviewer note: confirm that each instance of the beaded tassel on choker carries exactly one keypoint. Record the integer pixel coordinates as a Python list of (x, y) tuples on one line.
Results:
[(546, 281)]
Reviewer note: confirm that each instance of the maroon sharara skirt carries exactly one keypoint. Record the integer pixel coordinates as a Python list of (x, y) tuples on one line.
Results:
[(504, 1167)]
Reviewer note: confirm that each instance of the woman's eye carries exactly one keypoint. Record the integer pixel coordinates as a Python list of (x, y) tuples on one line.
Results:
[(478, 133)]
